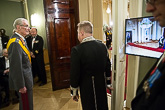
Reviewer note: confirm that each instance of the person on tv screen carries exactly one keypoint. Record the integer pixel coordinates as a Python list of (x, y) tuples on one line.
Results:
[(129, 39), (151, 92), (162, 40)]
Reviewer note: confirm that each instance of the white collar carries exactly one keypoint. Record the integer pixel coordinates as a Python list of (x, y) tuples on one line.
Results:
[(20, 35), (90, 38), (34, 37)]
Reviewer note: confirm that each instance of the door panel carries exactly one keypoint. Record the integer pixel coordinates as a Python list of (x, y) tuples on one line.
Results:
[(61, 24), (62, 52)]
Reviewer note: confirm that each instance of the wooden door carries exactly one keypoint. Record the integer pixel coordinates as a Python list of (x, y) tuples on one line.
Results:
[(61, 26)]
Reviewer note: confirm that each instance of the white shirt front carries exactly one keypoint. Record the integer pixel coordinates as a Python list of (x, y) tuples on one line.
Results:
[(7, 62), (33, 41)]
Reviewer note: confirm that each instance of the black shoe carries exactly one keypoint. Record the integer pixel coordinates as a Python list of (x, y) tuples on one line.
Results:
[(42, 84), (15, 100), (6, 100), (7, 103)]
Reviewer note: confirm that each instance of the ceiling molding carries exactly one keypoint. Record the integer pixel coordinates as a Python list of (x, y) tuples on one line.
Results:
[(15, 0)]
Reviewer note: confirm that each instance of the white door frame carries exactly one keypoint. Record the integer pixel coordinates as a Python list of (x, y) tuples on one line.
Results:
[(119, 15), (135, 10)]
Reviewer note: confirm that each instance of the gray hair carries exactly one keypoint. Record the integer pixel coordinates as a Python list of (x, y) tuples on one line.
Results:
[(18, 21), (86, 26)]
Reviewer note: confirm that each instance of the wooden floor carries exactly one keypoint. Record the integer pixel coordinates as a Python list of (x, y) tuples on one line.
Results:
[(46, 99)]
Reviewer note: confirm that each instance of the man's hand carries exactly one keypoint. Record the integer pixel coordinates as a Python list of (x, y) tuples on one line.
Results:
[(75, 98), (32, 55), (23, 90), (6, 71), (109, 88)]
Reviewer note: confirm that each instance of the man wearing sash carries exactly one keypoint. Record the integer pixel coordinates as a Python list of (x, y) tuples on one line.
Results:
[(20, 78), (151, 92)]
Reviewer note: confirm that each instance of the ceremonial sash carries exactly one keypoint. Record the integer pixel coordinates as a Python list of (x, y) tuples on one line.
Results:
[(25, 102), (154, 75), (21, 44)]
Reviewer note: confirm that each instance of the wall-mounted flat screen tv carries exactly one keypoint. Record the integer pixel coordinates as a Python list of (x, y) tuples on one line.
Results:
[(144, 37)]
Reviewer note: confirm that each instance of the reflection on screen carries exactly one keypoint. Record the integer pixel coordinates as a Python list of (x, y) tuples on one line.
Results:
[(144, 37)]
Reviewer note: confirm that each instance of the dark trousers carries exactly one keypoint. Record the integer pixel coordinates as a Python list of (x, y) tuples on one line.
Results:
[(38, 68), (4, 82), (0, 95)]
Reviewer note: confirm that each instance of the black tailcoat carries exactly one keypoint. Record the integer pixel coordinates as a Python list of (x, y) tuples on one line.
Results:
[(38, 66), (90, 59)]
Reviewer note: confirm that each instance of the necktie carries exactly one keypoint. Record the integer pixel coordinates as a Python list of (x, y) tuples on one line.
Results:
[(1, 48)]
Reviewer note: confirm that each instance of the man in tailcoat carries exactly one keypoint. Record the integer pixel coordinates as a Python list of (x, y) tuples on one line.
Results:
[(90, 70), (35, 44), (150, 94), (20, 74)]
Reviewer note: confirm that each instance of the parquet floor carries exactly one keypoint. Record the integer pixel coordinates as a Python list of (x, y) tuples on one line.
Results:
[(46, 99)]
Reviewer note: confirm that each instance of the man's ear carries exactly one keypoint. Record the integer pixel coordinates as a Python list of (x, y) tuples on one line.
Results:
[(82, 33), (18, 27)]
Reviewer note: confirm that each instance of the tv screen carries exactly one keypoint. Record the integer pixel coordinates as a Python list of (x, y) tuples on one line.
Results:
[(144, 37)]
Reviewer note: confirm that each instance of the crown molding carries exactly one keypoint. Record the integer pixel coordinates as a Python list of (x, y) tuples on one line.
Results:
[(15, 0)]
